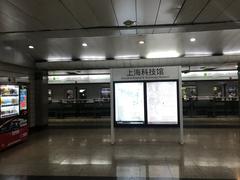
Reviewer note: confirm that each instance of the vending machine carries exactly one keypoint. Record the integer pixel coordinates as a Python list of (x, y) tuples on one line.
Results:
[(13, 115)]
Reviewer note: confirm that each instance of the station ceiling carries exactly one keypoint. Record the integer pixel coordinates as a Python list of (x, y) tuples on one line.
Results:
[(57, 29)]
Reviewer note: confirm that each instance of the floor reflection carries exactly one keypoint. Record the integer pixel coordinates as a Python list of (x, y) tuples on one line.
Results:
[(207, 153)]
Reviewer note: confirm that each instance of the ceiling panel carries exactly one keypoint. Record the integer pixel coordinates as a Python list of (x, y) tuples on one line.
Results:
[(213, 10), (168, 11), (147, 14), (125, 10), (82, 12), (190, 10), (147, 11), (8, 24), (19, 20), (103, 32), (207, 43), (15, 56), (51, 13), (231, 13), (161, 30), (103, 11), (145, 31), (128, 31)]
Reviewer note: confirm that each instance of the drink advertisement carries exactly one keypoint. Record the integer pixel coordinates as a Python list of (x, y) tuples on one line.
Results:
[(23, 98)]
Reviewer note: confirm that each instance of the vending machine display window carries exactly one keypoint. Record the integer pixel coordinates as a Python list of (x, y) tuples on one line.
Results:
[(13, 115), (9, 100)]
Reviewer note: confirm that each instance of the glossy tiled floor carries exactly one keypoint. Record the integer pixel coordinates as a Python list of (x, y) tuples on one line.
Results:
[(138, 153)]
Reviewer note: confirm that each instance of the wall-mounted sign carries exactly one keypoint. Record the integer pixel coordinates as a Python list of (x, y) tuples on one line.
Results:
[(162, 102), (145, 73), (146, 96), (129, 103), (209, 75), (66, 79)]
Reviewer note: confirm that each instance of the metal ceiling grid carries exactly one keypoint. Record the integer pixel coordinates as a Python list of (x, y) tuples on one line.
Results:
[(37, 15), (207, 43), (51, 13), (213, 10), (231, 13)]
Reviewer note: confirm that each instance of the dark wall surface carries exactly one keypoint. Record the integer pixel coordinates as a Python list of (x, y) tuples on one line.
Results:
[(93, 89)]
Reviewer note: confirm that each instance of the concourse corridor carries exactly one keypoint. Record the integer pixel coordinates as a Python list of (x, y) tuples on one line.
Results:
[(78, 153)]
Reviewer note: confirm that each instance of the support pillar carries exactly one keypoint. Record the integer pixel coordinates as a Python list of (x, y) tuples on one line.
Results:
[(238, 89), (112, 113), (180, 106), (41, 98)]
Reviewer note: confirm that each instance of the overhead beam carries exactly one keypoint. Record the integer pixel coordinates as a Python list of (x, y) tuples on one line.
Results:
[(125, 63), (112, 30)]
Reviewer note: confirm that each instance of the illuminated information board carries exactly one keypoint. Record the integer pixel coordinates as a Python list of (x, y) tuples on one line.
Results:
[(162, 102), (129, 103)]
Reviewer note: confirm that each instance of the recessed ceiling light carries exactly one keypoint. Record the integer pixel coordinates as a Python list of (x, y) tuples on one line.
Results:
[(84, 44), (31, 47), (192, 39), (141, 42)]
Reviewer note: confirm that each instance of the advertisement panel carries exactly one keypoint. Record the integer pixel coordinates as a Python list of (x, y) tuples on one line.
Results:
[(23, 98), (129, 103), (162, 102)]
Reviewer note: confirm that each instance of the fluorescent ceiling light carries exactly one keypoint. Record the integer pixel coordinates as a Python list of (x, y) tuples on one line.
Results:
[(163, 54), (84, 44), (127, 57), (141, 42), (231, 52), (93, 57), (31, 47), (54, 59), (192, 39), (193, 54)]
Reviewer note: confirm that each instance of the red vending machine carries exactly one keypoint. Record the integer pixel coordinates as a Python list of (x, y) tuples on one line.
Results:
[(13, 115)]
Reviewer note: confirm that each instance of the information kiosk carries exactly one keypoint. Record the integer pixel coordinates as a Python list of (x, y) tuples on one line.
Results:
[(149, 96)]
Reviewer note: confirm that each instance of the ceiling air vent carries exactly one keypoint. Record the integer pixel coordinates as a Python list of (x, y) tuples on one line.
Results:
[(129, 23)]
